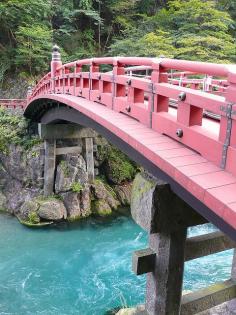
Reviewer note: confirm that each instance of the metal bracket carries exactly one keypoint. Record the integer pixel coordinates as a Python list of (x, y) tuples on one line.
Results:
[(228, 110), (90, 83), (151, 89), (113, 89), (225, 109)]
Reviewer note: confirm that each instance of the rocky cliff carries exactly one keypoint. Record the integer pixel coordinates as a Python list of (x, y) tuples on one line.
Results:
[(22, 172)]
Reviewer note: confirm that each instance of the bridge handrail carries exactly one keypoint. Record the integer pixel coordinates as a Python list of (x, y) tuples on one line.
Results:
[(181, 65), (13, 103), (196, 87)]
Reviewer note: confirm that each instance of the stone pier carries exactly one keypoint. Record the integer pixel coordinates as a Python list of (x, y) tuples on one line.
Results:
[(50, 134), (166, 218)]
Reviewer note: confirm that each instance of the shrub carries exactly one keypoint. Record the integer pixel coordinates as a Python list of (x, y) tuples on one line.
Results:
[(33, 217), (76, 187)]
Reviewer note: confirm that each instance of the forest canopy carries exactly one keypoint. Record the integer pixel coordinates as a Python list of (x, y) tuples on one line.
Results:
[(190, 29)]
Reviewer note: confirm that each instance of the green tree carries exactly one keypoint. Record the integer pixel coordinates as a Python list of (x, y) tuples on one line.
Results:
[(34, 47), (201, 31), (197, 30), (152, 44)]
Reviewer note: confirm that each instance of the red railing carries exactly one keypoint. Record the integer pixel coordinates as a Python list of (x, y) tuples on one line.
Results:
[(145, 89), (13, 103)]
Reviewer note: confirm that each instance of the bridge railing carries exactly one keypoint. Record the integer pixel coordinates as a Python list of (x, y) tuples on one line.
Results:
[(13, 103), (194, 87)]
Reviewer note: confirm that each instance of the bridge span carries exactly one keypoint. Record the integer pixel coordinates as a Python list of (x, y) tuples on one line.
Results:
[(178, 120)]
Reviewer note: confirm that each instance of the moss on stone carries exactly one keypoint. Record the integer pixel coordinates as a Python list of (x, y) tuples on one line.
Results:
[(77, 218), (101, 208), (141, 185), (117, 166), (41, 199), (3, 210), (64, 166), (33, 217), (37, 225), (76, 187), (108, 187)]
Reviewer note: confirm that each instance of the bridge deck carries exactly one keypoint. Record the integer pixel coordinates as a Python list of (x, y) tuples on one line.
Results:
[(204, 180), (195, 154)]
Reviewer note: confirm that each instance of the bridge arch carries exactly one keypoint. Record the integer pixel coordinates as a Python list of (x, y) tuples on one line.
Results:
[(66, 108)]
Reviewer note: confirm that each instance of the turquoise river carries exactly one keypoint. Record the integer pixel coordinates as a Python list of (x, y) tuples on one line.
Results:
[(83, 268)]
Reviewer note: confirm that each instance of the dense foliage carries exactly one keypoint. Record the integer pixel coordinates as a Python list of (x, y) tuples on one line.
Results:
[(189, 29), (13, 130)]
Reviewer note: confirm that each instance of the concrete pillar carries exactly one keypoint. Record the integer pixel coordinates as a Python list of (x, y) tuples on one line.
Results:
[(164, 284), (49, 166), (89, 158)]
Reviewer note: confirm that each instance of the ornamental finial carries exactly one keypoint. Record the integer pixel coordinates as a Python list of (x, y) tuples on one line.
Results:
[(56, 56)]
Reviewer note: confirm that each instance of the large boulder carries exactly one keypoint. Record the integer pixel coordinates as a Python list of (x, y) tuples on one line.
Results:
[(123, 193), (24, 166), (28, 207), (101, 207), (105, 195), (70, 170), (16, 194), (116, 166), (72, 203), (78, 204), (52, 210)]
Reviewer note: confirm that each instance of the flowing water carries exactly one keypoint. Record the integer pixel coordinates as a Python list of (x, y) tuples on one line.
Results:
[(83, 268)]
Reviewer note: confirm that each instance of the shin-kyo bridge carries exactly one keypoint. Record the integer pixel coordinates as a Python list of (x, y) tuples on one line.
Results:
[(177, 119)]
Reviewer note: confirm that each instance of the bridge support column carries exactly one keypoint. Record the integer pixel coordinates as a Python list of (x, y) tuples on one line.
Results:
[(49, 166), (164, 283), (88, 144), (166, 218)]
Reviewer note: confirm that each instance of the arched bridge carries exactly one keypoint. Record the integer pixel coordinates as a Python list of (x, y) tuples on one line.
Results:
[(176, 118)]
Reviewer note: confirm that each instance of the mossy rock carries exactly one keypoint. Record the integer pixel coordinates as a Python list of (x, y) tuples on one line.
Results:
[(117, 167), (34, 225), (46, 208), (101, 208)]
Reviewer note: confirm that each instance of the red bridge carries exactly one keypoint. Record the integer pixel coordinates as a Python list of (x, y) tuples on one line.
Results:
[(176, 118), (13, 103)]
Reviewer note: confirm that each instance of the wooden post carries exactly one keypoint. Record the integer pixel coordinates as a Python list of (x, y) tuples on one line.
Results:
[(49, 166)]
